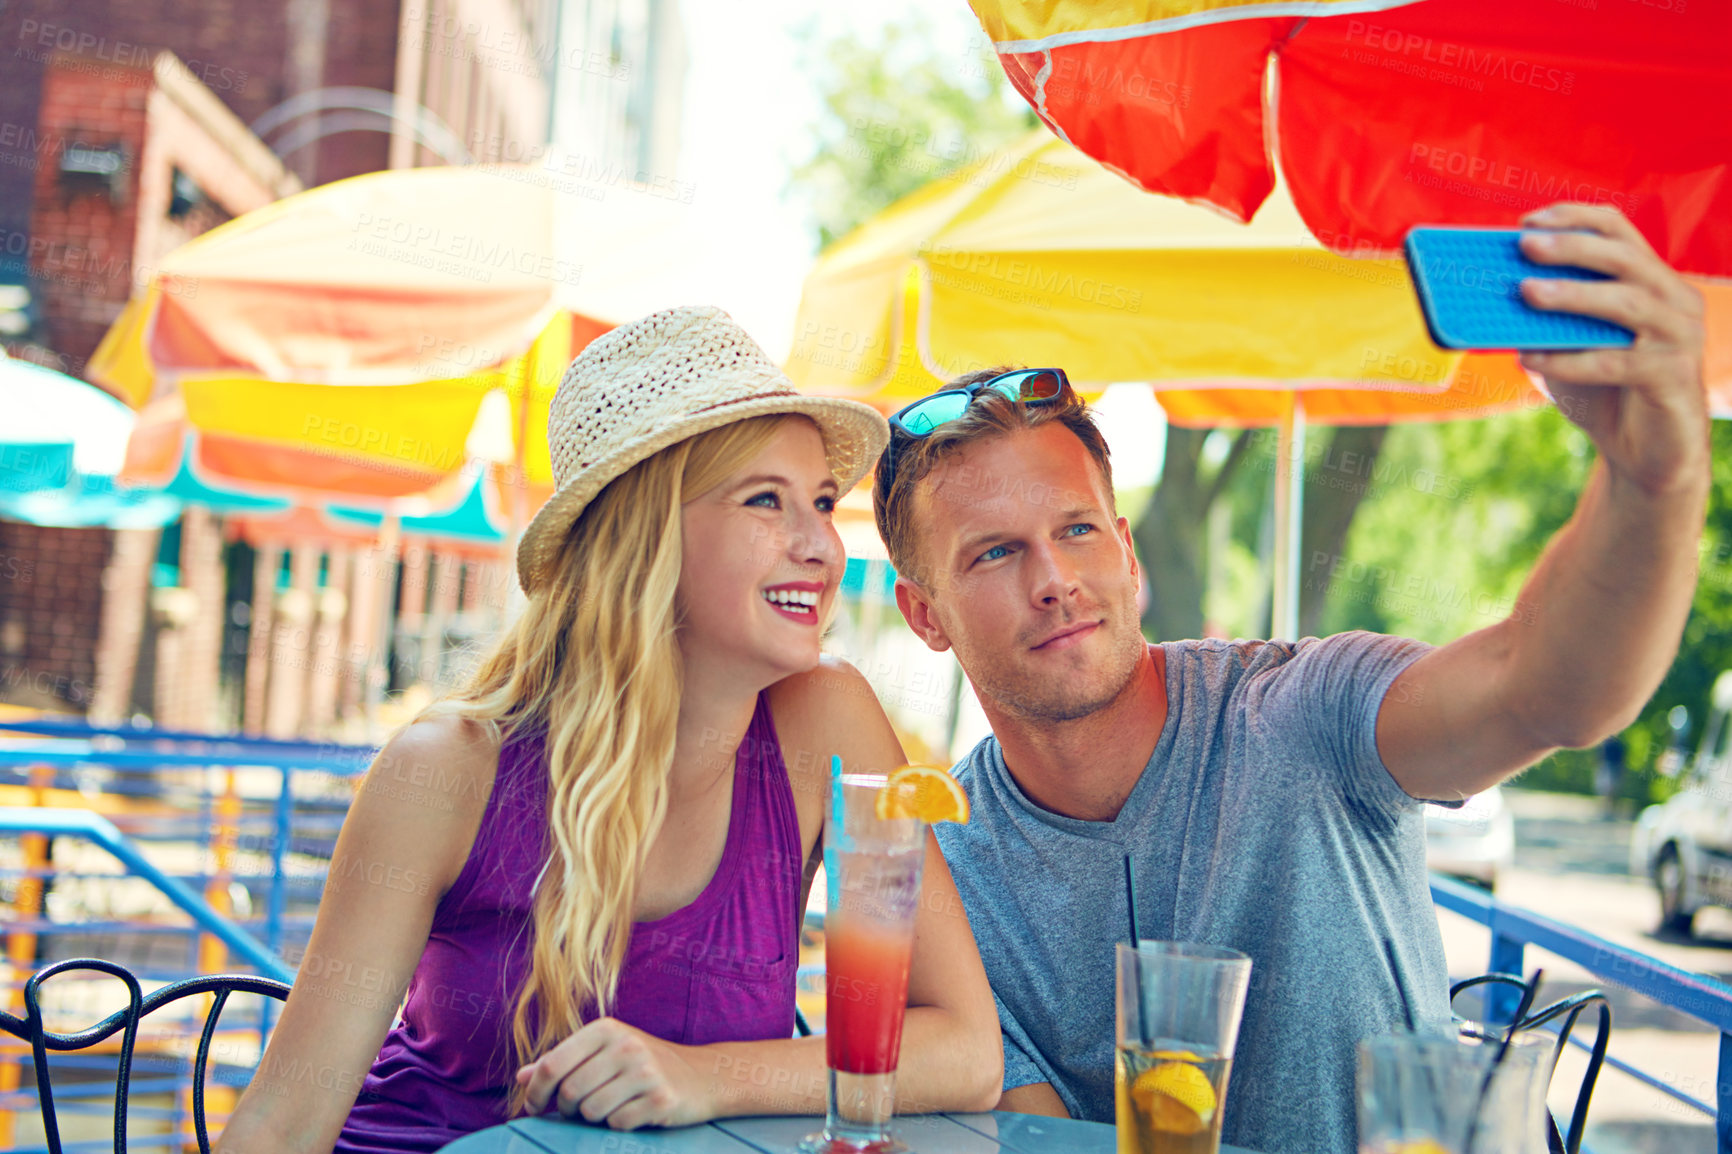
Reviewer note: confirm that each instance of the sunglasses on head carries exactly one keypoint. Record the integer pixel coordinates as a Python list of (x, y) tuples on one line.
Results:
[(1026, 386)]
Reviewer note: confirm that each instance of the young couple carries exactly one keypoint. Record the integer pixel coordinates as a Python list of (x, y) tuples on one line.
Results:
[(602, 909)]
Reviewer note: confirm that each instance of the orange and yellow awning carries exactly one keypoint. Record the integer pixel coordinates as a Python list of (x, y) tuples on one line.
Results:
[(345, 339)]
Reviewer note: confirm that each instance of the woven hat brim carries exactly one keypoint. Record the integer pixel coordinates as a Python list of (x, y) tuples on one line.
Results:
[(854, 437)]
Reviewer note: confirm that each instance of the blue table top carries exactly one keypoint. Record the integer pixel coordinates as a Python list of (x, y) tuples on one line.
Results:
[(924, 1134)]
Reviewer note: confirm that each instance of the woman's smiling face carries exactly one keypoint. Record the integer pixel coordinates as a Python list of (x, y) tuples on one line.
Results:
[(762, 560)]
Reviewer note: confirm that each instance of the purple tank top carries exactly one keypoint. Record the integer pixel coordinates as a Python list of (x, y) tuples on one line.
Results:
[(719, 969)]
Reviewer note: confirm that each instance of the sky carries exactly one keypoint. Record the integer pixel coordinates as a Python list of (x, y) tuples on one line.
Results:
[(751, 100)]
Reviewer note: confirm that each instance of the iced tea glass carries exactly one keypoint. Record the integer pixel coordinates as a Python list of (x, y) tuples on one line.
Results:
[(872, 874), (1179, 1006)]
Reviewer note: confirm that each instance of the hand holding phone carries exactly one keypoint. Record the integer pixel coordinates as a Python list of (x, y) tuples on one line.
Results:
[(1469, 284)]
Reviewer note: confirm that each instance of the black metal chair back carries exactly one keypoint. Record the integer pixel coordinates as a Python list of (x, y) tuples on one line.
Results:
[(1569, 1009), (126, 1022)]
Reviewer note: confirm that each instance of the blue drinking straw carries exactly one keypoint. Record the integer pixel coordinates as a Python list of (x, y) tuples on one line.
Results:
[(836, 790), (833, 839)]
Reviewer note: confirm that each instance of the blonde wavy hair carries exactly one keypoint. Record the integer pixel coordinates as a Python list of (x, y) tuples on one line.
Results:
[(593, 662)]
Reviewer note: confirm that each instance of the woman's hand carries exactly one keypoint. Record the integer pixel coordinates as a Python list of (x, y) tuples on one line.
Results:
[(612, 1073)]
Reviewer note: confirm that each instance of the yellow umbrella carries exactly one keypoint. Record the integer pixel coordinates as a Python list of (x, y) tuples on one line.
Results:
[(321, 442), (1038, 255)]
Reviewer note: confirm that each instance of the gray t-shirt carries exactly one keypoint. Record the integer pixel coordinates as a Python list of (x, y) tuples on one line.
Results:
[(1264, 821)]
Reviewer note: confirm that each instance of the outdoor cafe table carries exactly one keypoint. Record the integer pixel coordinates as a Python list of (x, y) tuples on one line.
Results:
[(923, 1133)]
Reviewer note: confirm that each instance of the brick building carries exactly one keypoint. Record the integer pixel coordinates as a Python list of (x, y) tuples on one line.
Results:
[(124, 132), (49, 609), (131, 162), (251, 54), (126, 161), (340, 87), (485, 69), (127, 127)]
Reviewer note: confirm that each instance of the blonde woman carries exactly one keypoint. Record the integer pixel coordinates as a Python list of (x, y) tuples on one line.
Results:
[(587, 869)]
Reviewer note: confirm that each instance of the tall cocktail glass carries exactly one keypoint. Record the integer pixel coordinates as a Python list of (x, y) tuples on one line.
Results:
[(872, 872), (1179, 1006)]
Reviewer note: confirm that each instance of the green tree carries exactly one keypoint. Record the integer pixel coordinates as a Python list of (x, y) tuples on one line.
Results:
[(1706, 650), (1181, 557), (1171, 535), (1453, 520), (898, 114)]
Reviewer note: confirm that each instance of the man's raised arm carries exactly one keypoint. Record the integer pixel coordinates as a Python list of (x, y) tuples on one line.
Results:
[(1599, 619)]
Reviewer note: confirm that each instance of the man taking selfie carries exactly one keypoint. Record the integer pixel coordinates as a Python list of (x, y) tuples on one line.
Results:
[(1269, 792)]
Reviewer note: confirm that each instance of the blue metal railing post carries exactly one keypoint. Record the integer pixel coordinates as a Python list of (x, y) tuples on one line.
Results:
[(279, 844), (207, 821), (279, 890), (1501, 1001), (1723, 1097), (158, 810)]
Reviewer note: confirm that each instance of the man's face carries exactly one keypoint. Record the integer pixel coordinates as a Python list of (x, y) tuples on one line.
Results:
[(1023, 569)]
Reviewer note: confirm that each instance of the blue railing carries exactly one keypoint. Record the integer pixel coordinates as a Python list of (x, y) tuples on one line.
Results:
[(133, 765), (166, 793), (98, 830), (148, 735), (1514, 929), (96, 1096)]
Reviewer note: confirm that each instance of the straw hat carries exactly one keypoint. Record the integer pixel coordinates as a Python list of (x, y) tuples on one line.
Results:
[(637, 389)]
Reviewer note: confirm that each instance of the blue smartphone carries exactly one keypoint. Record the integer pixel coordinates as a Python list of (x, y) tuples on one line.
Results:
[(1469, 284)]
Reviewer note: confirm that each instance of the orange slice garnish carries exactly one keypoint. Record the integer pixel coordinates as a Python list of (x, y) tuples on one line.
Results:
[(924, 792)]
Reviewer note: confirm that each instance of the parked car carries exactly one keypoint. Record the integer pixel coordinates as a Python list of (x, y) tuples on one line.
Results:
[(1685, 844), (1473, 843)]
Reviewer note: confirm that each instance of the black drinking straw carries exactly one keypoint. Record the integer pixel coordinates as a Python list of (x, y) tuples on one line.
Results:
[(1527, 1003), (1136, 942), (1406, 1006), (1521, 1013)]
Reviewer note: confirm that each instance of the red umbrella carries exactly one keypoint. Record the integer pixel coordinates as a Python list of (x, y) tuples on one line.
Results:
[(1394, 114), (1384, 114)]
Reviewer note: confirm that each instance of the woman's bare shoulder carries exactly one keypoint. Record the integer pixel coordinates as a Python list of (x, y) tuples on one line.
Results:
[(448, 759), (830, 689), (459, 741), (828, 710)]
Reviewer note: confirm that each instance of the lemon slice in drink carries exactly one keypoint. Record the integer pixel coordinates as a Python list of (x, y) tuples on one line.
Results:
[(924, 792), (1176, 1097)]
